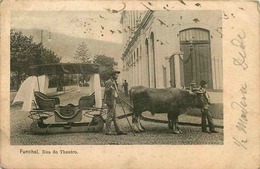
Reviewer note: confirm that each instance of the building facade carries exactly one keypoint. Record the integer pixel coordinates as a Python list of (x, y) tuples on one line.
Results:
[(172, 48)]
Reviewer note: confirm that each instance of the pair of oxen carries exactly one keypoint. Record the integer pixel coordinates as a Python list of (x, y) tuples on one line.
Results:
[(172, 101)]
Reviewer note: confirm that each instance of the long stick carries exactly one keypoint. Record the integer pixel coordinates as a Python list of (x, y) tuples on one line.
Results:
[(125, 112), (126, 116), (180, 123), (128, 104)]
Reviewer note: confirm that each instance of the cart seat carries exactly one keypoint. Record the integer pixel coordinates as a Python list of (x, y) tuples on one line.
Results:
[(45, 102), (87, 101)]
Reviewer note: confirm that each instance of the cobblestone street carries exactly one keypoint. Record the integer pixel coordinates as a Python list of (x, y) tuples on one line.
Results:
[(156, 133)]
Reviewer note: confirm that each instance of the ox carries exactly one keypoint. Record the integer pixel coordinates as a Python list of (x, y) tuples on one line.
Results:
[(172, 101)]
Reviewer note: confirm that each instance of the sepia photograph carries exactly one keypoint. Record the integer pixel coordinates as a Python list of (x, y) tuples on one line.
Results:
[(150, 76), (129, 84)]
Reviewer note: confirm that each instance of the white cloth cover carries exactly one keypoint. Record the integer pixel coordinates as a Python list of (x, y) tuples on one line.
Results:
[(91, 84), (25, 93), (98, 93)]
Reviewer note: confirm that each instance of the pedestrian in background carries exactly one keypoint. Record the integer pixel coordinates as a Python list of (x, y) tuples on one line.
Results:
[(125, 86), (206, 115), (78, 87), (111, 93)]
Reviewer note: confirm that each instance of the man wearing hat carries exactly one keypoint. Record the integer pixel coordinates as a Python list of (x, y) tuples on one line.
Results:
[(206, 115), (111, 93)]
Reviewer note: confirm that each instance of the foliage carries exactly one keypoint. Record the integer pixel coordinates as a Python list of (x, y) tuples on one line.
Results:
[(104, 60), (83, 54), (24, 52), (49, 56), (106, 65)]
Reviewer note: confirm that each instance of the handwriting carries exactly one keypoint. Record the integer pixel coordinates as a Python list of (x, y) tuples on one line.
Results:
[(239, 42), (240, 143), (241, 124)]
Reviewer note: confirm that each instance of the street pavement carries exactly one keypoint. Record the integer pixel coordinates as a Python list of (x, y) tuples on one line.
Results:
[(156, 133)]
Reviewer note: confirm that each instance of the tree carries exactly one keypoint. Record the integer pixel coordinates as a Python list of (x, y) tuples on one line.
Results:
[(24, 52), (83, 54), (104, 61), (106, 65), (49, 56)]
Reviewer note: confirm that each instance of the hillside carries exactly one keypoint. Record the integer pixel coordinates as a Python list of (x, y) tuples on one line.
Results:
[(65, 46)]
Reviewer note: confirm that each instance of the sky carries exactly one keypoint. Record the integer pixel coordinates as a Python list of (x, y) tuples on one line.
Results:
[(100, 25)]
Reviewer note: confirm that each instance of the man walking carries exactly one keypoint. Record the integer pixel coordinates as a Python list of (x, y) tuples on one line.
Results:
[(206, 115), (125, 86), (111, 93)]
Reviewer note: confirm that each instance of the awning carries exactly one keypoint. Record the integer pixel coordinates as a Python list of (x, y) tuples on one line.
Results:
[(63, 68)]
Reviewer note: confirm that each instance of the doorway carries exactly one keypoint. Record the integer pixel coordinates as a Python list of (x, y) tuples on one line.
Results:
[(195, 45)]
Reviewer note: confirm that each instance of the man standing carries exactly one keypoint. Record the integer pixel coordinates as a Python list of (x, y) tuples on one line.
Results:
[(125, 86), (206, 115), (111, 93)]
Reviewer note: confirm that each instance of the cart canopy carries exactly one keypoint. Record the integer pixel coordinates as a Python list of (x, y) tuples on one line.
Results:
[(63, 68)]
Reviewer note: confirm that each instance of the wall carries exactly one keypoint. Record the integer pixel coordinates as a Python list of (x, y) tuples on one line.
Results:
[(166, 26)]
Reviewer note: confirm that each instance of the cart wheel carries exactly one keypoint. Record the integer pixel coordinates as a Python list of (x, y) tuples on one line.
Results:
[(97, 119), (36, 129), (98, 122)]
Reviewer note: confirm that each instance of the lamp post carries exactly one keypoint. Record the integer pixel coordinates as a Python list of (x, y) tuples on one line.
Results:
[(193, 83), (49, 35), (49, 40), (41, 48)]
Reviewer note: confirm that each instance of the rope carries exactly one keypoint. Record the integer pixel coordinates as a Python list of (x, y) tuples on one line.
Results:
[(196, 54), (184, 62)]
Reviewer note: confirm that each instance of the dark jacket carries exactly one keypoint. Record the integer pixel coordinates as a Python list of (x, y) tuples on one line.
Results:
[(206, 98), (110, 92), (125, 85)]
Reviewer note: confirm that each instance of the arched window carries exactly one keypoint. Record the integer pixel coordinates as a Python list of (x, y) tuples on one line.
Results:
[(147, 64), (140, 51), (152, 65), (137, 54), (137, 66), (134, 69), (134, 58), (134, 19)]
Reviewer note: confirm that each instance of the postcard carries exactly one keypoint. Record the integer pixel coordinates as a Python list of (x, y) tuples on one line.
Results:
[(129, 84)]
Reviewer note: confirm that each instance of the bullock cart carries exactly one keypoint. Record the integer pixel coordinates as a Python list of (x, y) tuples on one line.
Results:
[(67, 118)]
